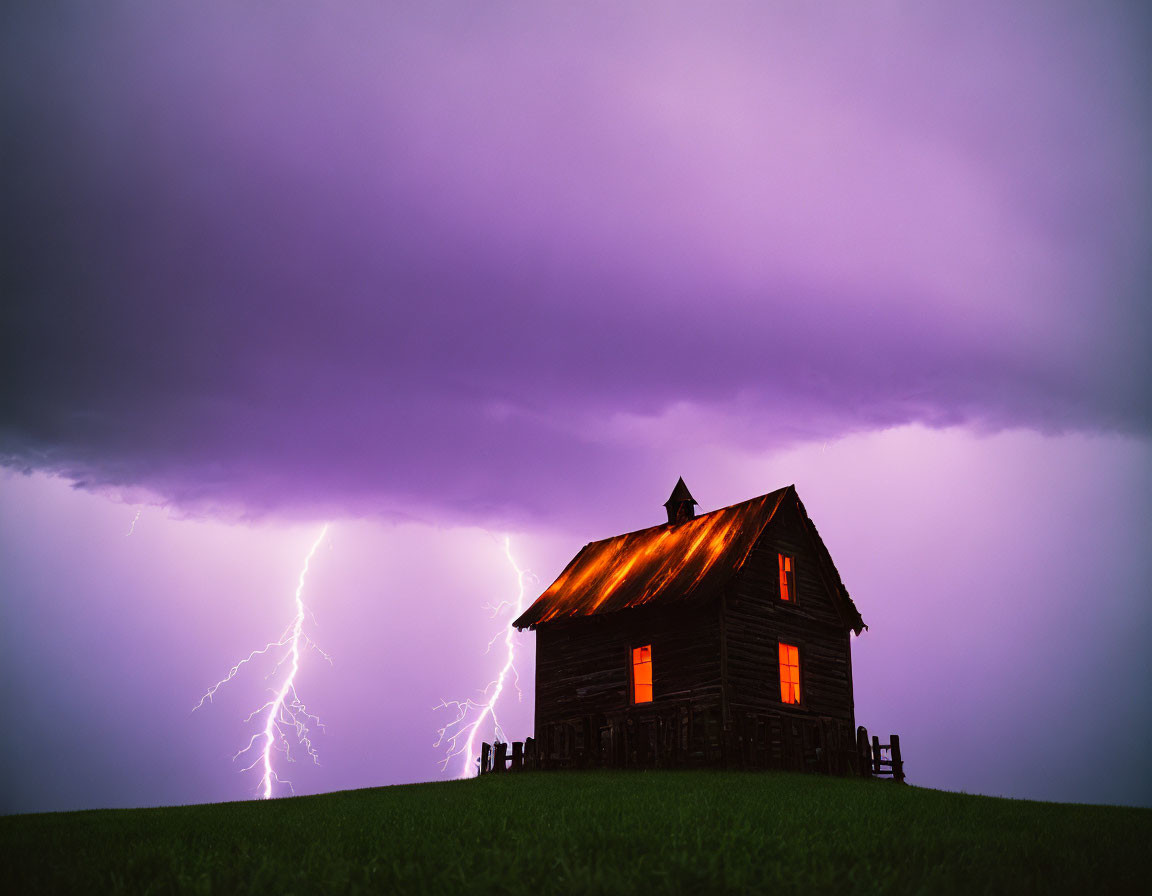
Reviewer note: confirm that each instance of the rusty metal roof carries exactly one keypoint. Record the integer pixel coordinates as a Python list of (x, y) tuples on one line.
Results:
[(670, 563)]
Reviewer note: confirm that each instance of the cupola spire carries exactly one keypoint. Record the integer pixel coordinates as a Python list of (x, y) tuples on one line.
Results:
[(681, 505)]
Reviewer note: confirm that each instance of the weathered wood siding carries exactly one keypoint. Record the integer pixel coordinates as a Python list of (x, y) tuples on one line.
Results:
[(756, 620), (584, 711)]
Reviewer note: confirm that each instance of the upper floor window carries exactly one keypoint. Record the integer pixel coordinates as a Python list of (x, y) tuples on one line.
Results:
[(787, 576), (789, 673), (642, 674)]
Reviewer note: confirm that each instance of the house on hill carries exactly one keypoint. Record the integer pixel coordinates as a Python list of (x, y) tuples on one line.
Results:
[(719, 639)]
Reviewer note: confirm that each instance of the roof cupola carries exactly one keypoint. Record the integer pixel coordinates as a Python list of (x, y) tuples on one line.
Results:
[(681, 505)]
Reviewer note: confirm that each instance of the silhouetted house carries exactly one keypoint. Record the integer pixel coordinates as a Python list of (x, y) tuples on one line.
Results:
[(717, 639)]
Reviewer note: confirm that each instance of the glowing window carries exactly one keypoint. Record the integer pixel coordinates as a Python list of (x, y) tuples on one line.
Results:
[(789, 673), (642, 674), (787, 577)]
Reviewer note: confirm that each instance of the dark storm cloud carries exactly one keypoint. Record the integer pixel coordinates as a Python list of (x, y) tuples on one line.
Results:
[(434, 264)]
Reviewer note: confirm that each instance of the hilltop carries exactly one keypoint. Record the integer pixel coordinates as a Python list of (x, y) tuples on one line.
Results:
[(594, 832)]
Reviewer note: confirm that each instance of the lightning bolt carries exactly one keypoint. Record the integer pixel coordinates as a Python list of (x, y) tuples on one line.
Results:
[(285, 713), (132, 527), (458, 737)]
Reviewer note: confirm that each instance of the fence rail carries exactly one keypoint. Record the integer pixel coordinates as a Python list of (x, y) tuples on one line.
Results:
[(494, 758), (879, 760)]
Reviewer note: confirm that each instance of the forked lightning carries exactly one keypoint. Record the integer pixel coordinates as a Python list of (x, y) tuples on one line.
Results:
[(459, 736), (285, 714)]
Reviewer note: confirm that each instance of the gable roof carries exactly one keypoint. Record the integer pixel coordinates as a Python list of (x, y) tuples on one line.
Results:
[(670, 564)]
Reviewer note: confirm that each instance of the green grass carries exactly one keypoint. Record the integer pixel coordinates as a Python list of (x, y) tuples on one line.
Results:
[(596, 832)]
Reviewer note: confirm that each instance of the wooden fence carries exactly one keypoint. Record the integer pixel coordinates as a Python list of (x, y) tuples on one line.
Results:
[(874, 759), (494, 758), (873, 762)]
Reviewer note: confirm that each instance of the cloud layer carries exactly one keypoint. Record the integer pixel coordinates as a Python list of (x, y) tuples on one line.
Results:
[(430, 263)]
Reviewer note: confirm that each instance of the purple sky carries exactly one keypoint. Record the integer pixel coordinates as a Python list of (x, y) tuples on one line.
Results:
[(437, 275)]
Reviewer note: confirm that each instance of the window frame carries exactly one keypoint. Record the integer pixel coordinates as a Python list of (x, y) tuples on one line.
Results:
[(791, 580), (799, 648), (632, 664)]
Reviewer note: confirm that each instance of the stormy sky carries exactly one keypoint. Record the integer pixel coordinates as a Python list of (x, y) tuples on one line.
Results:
[(434, 271)]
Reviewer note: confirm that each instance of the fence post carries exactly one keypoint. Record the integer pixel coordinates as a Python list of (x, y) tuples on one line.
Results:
[(498, 764), (863, 752), (897, 762), (875, 755), (517, 756), (529, 752), (485, 758)]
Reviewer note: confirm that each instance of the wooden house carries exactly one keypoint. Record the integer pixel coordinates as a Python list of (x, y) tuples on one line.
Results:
[(719, 639)]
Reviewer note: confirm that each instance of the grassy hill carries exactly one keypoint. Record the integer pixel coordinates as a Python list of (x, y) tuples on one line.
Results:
[(600, 832)]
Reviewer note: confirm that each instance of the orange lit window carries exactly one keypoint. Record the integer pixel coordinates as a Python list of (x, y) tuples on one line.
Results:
[(789, 673), (787, 577), (642, 674)]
